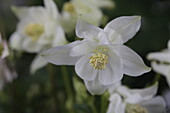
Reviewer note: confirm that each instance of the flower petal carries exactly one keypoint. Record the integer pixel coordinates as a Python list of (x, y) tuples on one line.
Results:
[(38, 63), (163, 56), (84, 70), (116, 105), (87, 31), (30, 46), (137, 95), (60, 55), (113, 71), (59, 38), (126, 26), (16, 41), (162, 69), (154, 105), (133, 64), (84, 47), (95, 87), (51, 8)]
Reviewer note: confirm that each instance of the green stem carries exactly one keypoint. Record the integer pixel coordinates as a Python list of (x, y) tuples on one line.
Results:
[(93, 107), (104, 102), (53, 86), (68, 89), (67, 82), (157, 78)]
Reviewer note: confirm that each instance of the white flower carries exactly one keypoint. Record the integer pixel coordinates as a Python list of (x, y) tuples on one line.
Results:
[(38, 29), (101, 59), (125, 100), (6, 75), (102, 3), (161, 62), (3, 48), (72, 9)]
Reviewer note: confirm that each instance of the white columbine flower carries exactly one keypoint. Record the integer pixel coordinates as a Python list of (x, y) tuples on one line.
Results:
[(72, 9), (161, 62), (38, 29), (6, 75), (101, 59), (125, 100)]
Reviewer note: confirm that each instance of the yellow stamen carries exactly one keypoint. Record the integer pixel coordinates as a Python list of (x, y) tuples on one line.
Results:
[(34, 31), (69, 7), (99, 61), (135, 108)]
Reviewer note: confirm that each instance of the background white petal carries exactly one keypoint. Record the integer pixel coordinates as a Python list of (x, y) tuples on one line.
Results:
[(38, 63), (163, 56), (133, 64), (59, 37), (163, 69), (51, 8), (154, 105), (15, 41), (126, 26), (116, 104), (60, 55)]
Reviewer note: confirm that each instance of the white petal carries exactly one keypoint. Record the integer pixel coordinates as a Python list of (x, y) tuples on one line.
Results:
[(136, 95), (59, 38), (60, 55), (20, 12), (87, 31), (31, 46), (84, 47), (155, 105), (126, 26), (51, 8), (5, 52), (16, 41), (113, 71), (133, 64), (163, 56), (84, 70), (163, 69), (116, 105), (169, 44), (105, 4), (38, 63), (95, 87)]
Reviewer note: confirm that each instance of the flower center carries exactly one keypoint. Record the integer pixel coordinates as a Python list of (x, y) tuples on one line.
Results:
[(1, 49), (34, 31), (69, 7), (99, 59), (135, 108)]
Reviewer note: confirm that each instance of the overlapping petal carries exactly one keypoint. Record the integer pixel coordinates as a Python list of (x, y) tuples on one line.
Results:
[(95, 87), (113, 71), (84, 69)]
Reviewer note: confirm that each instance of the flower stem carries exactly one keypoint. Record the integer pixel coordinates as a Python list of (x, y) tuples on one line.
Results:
[(104, 102), (157, 78), (53, 86), (68, 89)]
